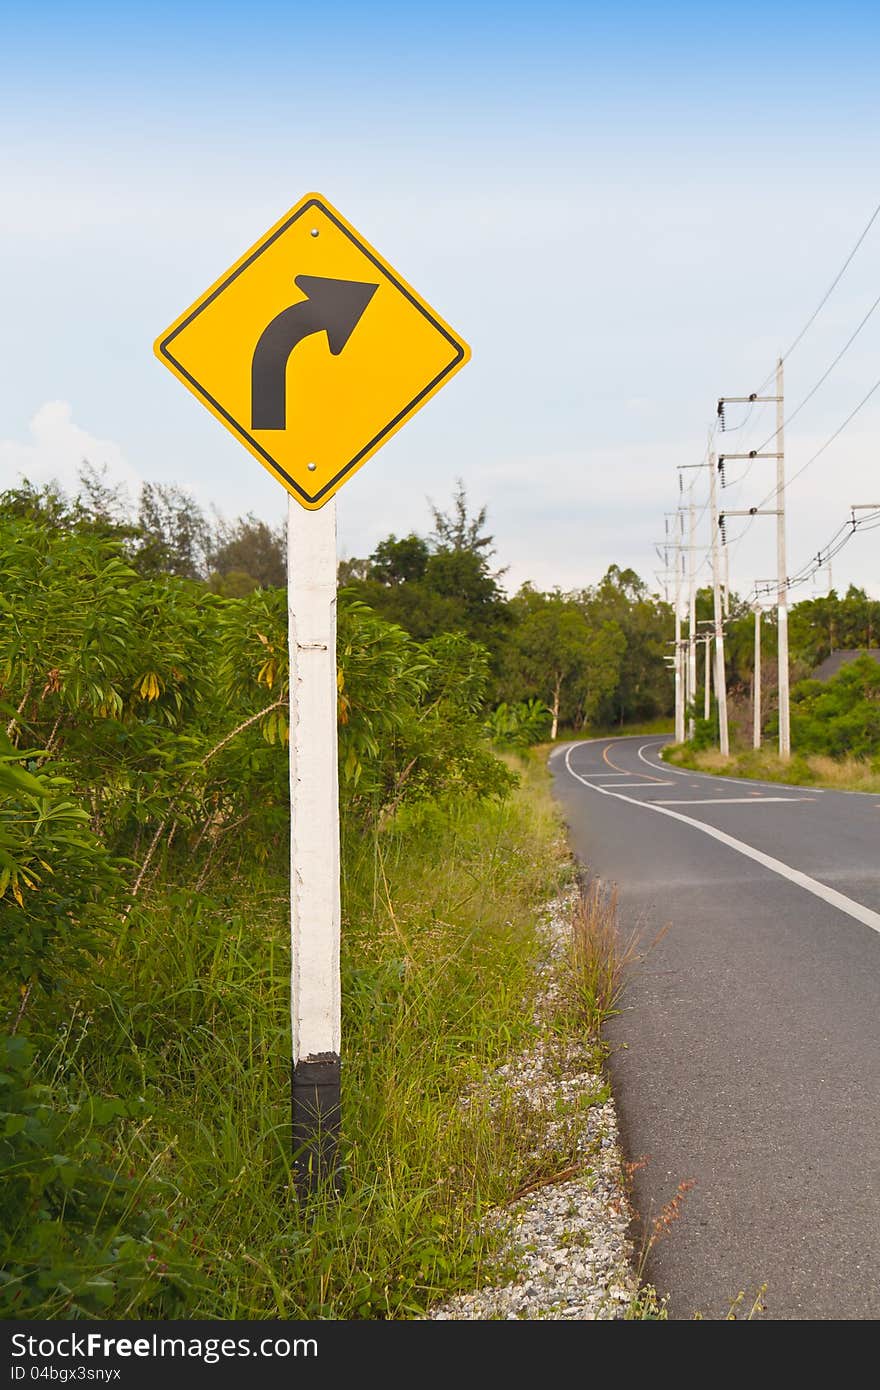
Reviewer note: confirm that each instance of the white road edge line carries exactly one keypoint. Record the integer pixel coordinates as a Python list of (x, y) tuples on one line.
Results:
[(811, 885), (716, 776)]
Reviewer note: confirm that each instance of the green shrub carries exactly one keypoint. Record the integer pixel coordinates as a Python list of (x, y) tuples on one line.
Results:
[(705, 734), (57, 882), (519, 725), (839, 717), (77, 1236)]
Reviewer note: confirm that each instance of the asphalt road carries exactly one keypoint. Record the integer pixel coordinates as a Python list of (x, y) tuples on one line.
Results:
[(747, 1055)]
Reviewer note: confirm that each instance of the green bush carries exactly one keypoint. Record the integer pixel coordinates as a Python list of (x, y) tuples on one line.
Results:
[(57, 882), (705, 734), (78, 1237), (839, 717), (143, 796), (519, 725)]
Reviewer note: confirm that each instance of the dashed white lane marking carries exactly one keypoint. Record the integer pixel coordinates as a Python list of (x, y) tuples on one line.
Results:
[(728, 800), (811, 885), (613, 776), (655, 783)]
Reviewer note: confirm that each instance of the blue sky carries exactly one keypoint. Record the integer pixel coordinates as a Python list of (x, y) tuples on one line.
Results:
[(626, 210)]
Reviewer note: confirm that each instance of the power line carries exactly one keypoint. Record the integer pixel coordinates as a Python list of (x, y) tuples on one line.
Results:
[(823, 378), (842, 536), (812, 459), (738, 483), (826, 296), (826, 374), (830, 440)]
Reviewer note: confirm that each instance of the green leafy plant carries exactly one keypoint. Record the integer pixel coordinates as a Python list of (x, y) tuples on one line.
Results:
[(79, 1236), (58, 884), (519, 725)]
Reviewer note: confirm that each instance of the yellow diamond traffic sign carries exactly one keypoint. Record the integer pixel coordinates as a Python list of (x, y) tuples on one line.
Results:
[(312, 350)]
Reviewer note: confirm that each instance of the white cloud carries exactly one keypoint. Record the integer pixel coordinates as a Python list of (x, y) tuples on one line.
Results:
[(57, 449)]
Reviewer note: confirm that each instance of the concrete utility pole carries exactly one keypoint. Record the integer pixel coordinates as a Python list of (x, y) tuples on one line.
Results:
[(692, 613), (720, 665), (781, 573), (691, 682), (314, 842), (707, 680), (756, 683), (679, 652), (779, 512)]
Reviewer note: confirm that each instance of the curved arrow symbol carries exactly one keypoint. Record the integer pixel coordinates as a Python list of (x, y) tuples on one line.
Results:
[(333, 307)]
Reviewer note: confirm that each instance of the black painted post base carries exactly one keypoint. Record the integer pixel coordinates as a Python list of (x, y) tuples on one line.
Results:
[(315, 1116)]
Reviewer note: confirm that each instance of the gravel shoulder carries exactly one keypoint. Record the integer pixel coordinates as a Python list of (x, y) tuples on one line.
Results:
[(565, 1248)]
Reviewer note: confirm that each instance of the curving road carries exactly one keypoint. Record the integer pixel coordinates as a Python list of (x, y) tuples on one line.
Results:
[(747, 1055)]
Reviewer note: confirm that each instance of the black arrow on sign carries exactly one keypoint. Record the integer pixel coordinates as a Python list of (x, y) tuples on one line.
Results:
[(333, 307)]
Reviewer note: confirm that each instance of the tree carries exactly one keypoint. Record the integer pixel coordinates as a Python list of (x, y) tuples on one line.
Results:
[(399, 561), (175, 537), (550, 648), (248, 547), (103, 504), (839, 717), (457, 530), (352, 571), (437, 585), (46, 504), (644, 688), (601, 674)]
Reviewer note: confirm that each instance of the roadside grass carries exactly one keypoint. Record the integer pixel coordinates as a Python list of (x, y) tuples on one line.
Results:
[(810, 770), (190, 1012), (594, 978), (598, 962)]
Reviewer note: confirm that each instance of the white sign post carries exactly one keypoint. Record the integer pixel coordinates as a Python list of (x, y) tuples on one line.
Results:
[(312, 351), (314, 842)]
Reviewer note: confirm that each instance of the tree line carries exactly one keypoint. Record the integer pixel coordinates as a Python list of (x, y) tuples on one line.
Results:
[(816, 627), (595, 656)]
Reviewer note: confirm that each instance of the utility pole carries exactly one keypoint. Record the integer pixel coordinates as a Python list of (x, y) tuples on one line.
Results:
[(691, 684), (779, 512), (756, 683), (720, 666), (677, 661), (707, 680), (679, 653), (692, 612), (781, 574)]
